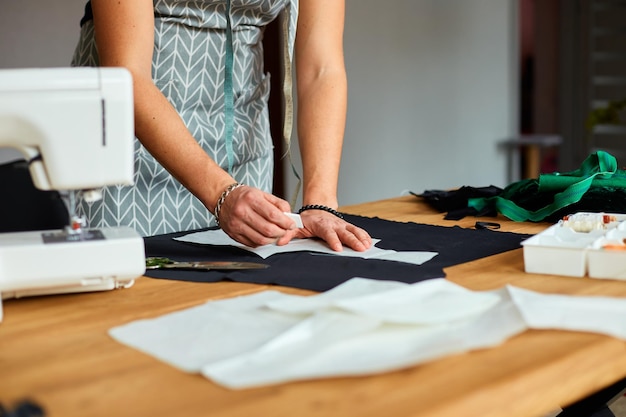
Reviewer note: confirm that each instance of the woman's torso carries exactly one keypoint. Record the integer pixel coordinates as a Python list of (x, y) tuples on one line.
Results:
[(188, 66)]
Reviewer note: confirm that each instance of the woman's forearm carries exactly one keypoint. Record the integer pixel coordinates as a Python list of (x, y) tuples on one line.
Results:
[(321, 125), (164, 134)]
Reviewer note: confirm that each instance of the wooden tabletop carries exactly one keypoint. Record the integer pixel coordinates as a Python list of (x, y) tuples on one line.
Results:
[(55, 351)]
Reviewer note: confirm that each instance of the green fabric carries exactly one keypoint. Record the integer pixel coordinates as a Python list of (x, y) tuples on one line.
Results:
[(556, 191)]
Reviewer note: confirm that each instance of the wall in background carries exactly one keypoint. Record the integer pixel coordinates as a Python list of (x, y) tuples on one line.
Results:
[(433, 87), (37, 34)]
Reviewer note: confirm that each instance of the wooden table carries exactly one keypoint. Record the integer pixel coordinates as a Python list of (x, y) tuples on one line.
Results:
[(55, 351)]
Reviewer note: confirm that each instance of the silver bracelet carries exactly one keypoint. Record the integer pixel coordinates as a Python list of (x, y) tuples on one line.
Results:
[(220, 201)]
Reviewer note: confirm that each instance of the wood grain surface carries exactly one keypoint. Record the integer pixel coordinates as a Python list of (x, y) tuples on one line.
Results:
[(55, 350)]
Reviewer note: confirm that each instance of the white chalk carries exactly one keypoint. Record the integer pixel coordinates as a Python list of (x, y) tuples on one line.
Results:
[(296, 218)]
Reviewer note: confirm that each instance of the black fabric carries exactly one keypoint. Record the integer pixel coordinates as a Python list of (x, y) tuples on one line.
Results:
[(454, 202), (526, 194), (317, 272), (24, 408), (596, 405), (24, 207), (88, 15)]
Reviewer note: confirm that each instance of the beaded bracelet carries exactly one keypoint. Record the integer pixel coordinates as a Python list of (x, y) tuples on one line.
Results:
[(220, 201), (320, 207)]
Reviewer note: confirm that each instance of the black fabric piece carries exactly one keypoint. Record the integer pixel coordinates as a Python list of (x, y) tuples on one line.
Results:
[(487, 225), (596, 405), (88, 15), (24, 207), (454, 202), (25, 408), (320, 272)]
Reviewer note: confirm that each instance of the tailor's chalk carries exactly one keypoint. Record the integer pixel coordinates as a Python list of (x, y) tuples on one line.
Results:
[(296, 218)]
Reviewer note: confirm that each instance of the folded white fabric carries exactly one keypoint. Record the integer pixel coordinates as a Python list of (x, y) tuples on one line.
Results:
[(360, 327)]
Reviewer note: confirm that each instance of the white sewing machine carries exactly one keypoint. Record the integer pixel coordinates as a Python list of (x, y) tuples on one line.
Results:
[(75, 126)]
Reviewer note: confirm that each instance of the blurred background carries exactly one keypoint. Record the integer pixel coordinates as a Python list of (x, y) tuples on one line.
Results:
[(442, 93)]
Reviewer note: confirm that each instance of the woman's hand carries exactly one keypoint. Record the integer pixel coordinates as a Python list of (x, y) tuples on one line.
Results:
[(255, 218), (322, 100), (334, 231)]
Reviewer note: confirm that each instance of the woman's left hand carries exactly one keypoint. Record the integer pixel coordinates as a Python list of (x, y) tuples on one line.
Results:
[(336, 232)]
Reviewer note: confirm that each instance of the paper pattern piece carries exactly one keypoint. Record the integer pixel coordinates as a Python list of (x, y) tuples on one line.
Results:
[(360, 327), (220, 238)]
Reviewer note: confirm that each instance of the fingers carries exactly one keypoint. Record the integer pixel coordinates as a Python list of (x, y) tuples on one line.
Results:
[(336, 232), (254, 217), (350, 236), (356, 238), (281, 204), (287, 237)]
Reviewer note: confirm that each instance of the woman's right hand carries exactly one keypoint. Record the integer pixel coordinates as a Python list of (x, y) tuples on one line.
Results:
[(254, 217)]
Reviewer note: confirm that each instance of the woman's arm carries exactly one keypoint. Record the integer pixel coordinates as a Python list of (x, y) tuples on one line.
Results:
[(322, 97), (322, 101), (125, 38)]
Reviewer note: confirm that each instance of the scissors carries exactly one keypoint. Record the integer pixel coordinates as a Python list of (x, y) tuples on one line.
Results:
[(166, 263)]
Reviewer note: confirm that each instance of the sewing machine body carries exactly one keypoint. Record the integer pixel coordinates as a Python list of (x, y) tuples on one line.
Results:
[(75, 126)]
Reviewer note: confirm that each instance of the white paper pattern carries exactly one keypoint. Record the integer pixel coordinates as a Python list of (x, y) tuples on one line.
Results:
[(360, 327), (220, 238)]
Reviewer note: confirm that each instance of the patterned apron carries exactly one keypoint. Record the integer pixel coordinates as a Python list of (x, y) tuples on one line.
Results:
[(189, 66)]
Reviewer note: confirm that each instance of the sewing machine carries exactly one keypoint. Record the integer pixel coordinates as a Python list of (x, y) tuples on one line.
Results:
[(75, 127)]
